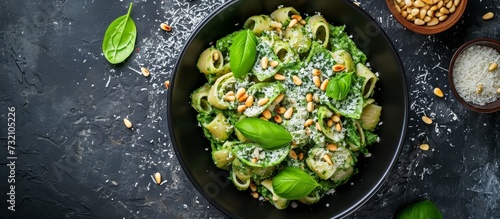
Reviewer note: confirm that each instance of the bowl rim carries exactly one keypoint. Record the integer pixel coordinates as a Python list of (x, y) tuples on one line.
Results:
[(363, 199), (426, 30), (489, 107)]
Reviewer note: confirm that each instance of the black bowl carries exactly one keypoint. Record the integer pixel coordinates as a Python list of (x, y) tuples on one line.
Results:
[(190, 145)]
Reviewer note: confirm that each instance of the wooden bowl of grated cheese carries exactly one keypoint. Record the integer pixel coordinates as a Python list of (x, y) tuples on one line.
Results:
[(474, 75)]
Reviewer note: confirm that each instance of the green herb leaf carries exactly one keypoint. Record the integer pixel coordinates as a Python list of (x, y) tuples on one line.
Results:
[(242, 53), (339, 86), (119, 39), (421, 210), (293, 183), (267, 134)]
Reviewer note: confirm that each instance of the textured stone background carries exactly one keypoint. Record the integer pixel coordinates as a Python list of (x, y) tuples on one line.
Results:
[(76, 159)]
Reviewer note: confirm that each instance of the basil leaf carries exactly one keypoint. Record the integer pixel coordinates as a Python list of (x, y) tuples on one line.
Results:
[(293, 183), (267, 134), (421, 210), (242, 53), (119, 39), (338, 87)]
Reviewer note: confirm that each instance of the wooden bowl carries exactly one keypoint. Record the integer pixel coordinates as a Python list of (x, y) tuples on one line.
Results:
[(424, 29), (489, 107)]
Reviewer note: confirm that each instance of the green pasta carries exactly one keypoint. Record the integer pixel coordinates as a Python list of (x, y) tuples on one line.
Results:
[(294, 64)]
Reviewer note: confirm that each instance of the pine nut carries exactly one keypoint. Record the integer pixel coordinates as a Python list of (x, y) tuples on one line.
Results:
[(410, 17), (281, 110), (493, 66), (424, 147), (309, 97), (310, 107), (230, 93), (273, 63), (442, 18), (262, 101), (426, 120), (316, 81), (488, 16), (318, 127), (433, 22), (444, 10), (288, 113), (165, 27), (303, 22), (278, 99), (249, 101), (276, 25), (263, 62), (335, 118), (297, 17), (324, 84), (327, 159), (429, 2), (422, 13), (316, 72), (241, 108), (438, 92), (229, 98), (449, 4), (292, 154), (240, 92), (419, 3), (419, 22), (292, 23), (145, 71), (296, 80), (338, 127), (408, 3), (456, 2), (440, 4), (329, 123), (438, 14), (243, 98), (498, 91), (452, 9), (404, 14), (215, 56), (427, 19), (331, 147), (308, 123), (301, 156), (267, 114), (127, 123), (263, 118), (278, 119), (157, 178), (338, 67), (433, 8), (253, 187), (415, 11), (479, 89)]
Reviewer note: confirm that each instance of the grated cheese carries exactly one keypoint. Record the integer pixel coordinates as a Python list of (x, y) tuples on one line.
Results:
[(471, 70)]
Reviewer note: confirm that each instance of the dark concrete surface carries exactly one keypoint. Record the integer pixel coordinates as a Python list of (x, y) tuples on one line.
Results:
[(73, 157)]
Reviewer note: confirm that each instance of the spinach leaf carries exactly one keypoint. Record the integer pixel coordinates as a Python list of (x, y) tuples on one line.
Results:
[(420, 210), (293, 183), (338, 87), (267, 134), (242, 53), (119, 39)]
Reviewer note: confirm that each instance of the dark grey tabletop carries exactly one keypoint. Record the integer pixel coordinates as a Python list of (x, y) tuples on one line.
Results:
[(74, 158)]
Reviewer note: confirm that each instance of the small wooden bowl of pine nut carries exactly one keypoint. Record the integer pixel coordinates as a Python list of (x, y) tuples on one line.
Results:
[(427, 16)]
